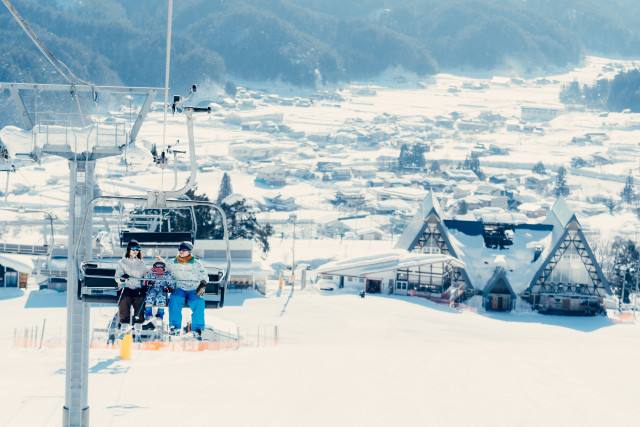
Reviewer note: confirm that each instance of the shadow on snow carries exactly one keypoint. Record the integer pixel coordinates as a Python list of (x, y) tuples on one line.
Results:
[(578, 323), (9, 293), (46, 298)]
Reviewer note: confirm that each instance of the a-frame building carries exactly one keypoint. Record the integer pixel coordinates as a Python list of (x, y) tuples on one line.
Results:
[(498, 295), (570, 279), (549, 265), (427, 234)]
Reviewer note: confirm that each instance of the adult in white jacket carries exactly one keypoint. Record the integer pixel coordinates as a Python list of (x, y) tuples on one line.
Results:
[(191, 280), (129, 272)]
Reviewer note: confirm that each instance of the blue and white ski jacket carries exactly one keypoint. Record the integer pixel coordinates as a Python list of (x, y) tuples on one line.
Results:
[(163, 280), (187, 275)]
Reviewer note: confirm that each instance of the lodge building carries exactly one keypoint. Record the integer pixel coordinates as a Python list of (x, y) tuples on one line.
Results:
[(548, 265)]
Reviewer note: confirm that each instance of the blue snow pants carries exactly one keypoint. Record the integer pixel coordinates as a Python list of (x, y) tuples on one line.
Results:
[(196, 303)]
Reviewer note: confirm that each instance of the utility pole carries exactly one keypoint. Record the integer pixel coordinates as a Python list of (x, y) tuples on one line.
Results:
[(293, 218), (624, 281), (635, 299)]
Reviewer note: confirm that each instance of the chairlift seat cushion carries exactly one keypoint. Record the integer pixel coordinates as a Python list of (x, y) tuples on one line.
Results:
[(100, 282), (155, 237)]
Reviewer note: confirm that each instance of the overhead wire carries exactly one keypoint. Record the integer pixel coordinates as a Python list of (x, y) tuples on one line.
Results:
[(46, 52)]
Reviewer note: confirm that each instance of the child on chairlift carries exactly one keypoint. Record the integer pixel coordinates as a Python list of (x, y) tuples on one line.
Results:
[(159, 283)]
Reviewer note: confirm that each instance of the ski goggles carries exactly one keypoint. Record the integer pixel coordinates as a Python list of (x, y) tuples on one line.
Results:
[(135, 248), (184, 248)]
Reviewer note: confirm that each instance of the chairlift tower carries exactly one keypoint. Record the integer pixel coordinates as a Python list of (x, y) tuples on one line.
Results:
[(81, 191), (82, 157)]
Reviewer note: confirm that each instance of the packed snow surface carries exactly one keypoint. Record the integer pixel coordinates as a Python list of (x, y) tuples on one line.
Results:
[(342, 360)]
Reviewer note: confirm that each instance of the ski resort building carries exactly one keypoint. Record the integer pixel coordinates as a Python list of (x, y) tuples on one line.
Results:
[(390, 272), (548, 265)]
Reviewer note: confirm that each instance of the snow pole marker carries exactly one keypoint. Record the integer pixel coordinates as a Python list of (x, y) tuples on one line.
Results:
[(44, 322), (125, 347)]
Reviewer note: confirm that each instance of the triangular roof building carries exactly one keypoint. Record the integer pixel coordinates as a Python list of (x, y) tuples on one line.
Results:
[(549, 264)]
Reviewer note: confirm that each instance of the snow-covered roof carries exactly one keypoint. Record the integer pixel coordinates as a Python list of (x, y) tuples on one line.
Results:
[(517, 259), (20, 263), (406, 193), (429, 204), (385, 261), (233, 198)]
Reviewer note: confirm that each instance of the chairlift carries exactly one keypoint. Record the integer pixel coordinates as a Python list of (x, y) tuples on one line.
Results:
[(98, 281), (45, 249)]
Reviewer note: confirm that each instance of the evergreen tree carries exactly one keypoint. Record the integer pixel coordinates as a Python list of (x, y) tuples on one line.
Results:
[(242, 224), (463, 208), (417, 154), (571, 94), (472, 163), (628, 193), (625, 267), (434, 166), (225, 188), (561, 188), (404, 160), (412, 157), (538, 168)]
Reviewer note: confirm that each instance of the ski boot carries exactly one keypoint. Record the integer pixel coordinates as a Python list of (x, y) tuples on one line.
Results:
[(124, 329), (137, 337)]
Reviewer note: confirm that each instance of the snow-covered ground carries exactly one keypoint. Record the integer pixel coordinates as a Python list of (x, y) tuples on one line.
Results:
[(341, 360)]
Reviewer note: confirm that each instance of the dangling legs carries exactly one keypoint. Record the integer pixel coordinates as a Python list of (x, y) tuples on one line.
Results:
[(176, 302)]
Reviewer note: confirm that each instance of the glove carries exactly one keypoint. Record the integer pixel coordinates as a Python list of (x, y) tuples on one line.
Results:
[(124, 277), (150, 283), (167, 289), (201, 288)]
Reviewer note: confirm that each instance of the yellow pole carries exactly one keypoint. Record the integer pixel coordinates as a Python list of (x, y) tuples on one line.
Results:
[(125, 347)]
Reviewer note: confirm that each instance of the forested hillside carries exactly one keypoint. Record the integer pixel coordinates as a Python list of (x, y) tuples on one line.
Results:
[(308, 42)]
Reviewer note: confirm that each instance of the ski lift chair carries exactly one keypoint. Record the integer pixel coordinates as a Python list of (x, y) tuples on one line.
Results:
[(97, 278)]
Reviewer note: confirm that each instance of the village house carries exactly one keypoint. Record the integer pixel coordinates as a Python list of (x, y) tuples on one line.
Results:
[(536, 181), (539, 113), (272, 175), (369, 234), (460, 175), (280, 203), (532, 210)]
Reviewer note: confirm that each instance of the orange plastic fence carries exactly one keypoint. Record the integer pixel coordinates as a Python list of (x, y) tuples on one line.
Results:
[(182, 345)]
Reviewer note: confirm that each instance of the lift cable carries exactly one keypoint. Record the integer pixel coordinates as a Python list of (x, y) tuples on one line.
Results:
[(50, 57)]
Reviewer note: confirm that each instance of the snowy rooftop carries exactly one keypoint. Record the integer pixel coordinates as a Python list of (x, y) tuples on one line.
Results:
[(517, 259)]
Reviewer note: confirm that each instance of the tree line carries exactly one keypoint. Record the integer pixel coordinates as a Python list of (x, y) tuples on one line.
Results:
[(307, 42), (617, 94)]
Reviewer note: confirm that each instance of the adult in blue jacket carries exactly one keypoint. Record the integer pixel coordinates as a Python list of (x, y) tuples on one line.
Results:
[(191, 280)]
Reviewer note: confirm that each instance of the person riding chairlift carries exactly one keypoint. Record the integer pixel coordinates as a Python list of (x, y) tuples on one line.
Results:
[(129, 272), (191, 281), (159, 284)]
